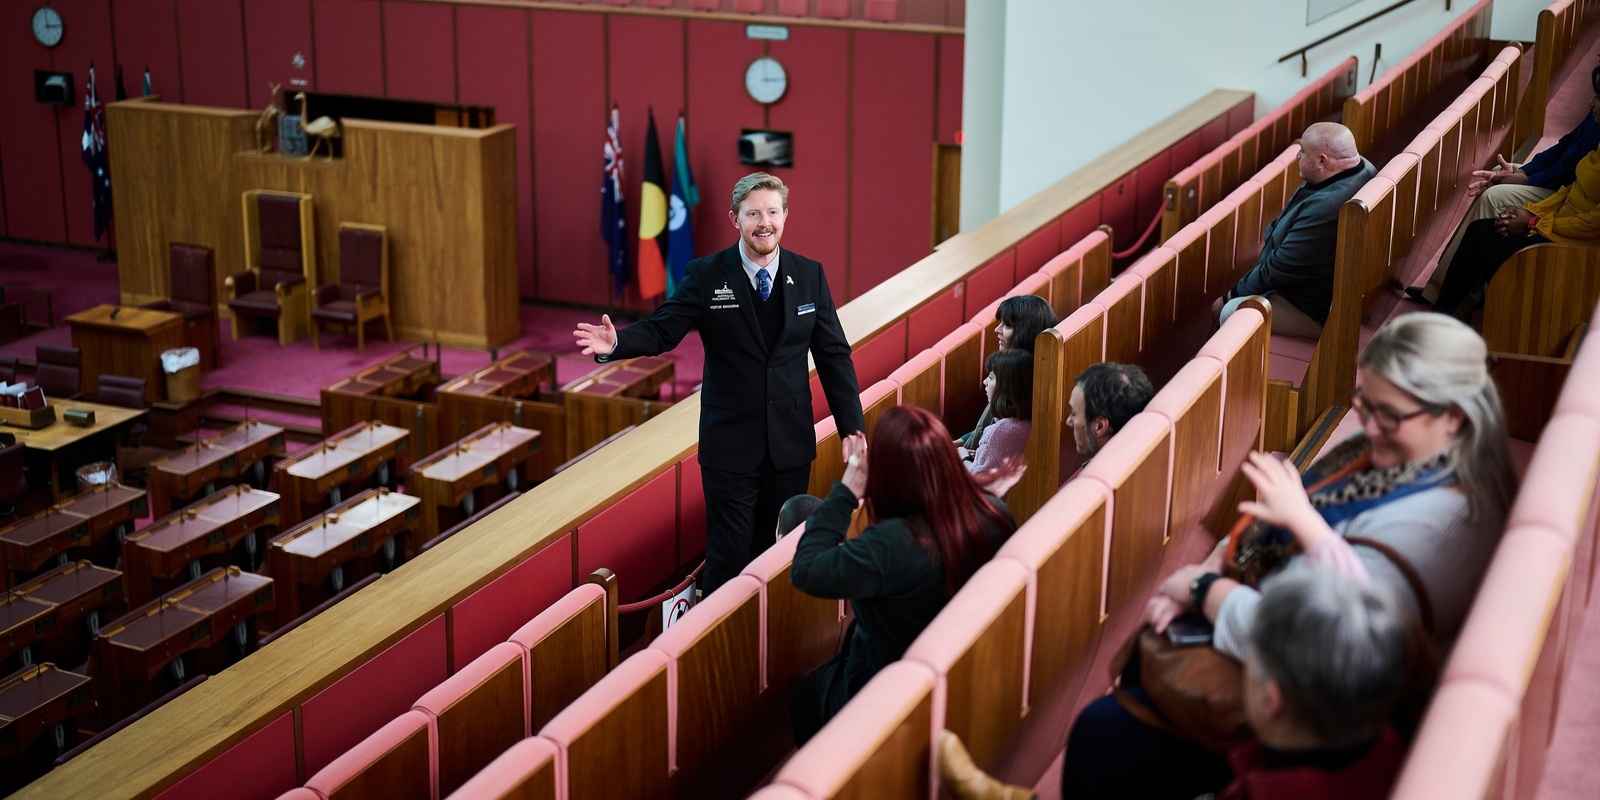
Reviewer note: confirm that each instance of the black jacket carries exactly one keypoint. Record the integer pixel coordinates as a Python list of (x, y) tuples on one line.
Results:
[(751, 396), (1297, 250)]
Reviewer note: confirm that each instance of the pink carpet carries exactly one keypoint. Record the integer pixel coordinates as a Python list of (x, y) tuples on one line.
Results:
[(76, 280)]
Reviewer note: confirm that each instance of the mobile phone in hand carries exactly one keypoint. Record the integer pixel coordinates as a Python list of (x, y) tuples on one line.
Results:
[(1189, 630)]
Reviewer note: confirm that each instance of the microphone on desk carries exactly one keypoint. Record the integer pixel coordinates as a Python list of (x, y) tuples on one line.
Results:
[(461, 446), (115, 312), (247, 408)]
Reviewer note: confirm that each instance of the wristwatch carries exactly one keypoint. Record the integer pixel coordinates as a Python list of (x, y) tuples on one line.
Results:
[(1199, 587)]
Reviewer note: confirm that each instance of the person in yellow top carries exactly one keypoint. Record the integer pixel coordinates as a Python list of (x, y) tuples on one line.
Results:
[(1570, 216)]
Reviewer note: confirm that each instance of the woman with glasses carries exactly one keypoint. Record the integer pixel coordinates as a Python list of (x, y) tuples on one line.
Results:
[(1422, 489)]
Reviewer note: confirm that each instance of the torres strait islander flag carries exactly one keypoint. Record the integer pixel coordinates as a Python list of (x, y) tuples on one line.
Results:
[(652, 269)]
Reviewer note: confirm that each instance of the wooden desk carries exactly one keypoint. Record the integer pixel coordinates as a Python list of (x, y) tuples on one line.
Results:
[(397, 392), (351, 534), (57, 449), (209, 531), (226, 456), (488, 457), (132, 651), (33, 701), (519, 389), (81, 525), (351, 456), (78, 591), (612, 398), (130, 344), (23, 620)]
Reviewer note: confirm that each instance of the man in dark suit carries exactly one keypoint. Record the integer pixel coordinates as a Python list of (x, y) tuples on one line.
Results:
[(759, 310)]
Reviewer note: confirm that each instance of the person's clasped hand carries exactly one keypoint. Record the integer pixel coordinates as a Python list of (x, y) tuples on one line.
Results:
[(1512, 221), (855, 460), (1503, 172)]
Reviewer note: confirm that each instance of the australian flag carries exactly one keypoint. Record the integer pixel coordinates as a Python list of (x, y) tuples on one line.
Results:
[(94, 155), (613, 221)]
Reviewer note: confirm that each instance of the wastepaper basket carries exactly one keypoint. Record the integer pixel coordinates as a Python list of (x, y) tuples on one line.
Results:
[(98, 473), (182, 366)]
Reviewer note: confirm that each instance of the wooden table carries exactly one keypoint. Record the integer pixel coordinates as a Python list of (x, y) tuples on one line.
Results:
[(351, 534), (131, 652), (394, 392), (77, 591), (125, 340), (226, 456), (490, 455), (33, 701), (23, 620), (82, 524), (351, 456), (210, 530), (57, 449), (612, 398), (519, 389)]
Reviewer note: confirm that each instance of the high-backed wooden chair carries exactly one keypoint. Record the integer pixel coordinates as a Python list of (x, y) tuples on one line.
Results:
[(192, 292), (362, 293), (280, 264)]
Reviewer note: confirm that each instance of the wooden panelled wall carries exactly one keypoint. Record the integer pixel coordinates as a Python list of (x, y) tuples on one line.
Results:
[(447, 196), (866, 103)]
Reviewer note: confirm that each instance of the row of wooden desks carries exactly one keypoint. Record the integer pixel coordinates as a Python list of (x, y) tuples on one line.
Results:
[(496, 454), (350, 539), (210, 532), (227, 456), (349, 457), (81, 526), (131, 652), (50, 612), (33, 701)]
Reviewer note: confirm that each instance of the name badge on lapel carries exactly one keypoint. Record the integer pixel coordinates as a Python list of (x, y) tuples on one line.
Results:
[(723, 298), (805, 309)]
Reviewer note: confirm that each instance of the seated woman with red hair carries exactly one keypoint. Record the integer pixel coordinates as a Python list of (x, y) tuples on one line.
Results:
[(931, 526)]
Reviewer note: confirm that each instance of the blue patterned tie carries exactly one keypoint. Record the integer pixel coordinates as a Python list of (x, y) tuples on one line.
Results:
[(763, 283)]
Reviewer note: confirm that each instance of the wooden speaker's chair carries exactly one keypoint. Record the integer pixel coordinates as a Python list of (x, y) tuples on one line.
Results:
[(362, 293), (192, 292), (280, 265)]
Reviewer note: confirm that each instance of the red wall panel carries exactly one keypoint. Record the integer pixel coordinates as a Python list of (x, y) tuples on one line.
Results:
[(262, 765), (646, 61), (569, 118), (419, 47), (719, 108), (1080, 221), (493, 70), (349, 46), (814, 110), (1119, 208), (1037, 248), (147, 36), (890, 160), (1151, 177), (211, 44), (89, 42), (922, 12), (486, 617), (636, 538), (29, 141), (934, 320), (952, 53), (276, 31), (989, 283), (365, 699)]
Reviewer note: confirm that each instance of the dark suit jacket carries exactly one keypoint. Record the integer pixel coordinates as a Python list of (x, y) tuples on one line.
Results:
[(751, 397)]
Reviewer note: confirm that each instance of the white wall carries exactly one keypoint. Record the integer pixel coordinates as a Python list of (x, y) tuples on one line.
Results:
[(1079, 77)]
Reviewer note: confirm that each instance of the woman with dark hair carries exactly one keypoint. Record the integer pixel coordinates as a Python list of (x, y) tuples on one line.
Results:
[(1009, 388), (1569, 216), (931, 525), (1021, 319)]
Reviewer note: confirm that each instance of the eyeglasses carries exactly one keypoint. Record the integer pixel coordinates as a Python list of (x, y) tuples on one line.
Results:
[(1388, 419)]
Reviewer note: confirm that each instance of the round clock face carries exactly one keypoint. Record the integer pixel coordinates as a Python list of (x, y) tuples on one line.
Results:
[(765, 80), (47, 27)]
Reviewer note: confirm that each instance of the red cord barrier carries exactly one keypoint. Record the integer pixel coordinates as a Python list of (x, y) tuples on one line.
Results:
[(1155, 223), (651, 602)]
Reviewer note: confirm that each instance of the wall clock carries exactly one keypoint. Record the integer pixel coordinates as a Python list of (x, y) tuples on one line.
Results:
[(47, 26), (765, 80)]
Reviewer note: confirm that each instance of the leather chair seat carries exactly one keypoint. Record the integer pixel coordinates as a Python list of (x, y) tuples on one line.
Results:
[(336, 311), (261, 304)]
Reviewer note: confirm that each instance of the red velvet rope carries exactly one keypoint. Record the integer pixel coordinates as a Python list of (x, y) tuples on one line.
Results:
[(1155, 223)]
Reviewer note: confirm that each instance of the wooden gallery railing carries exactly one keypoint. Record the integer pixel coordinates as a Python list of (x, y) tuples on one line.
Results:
[(1561, 29), (903, 315)]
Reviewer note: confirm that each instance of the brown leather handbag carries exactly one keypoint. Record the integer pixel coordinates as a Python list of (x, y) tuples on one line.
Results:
[(1199, 692)]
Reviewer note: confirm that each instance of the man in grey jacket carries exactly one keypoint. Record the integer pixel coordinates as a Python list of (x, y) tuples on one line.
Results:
[(1295, 271)]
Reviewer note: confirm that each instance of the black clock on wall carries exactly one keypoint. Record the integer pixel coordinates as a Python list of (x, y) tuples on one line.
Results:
[(47, 29)]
